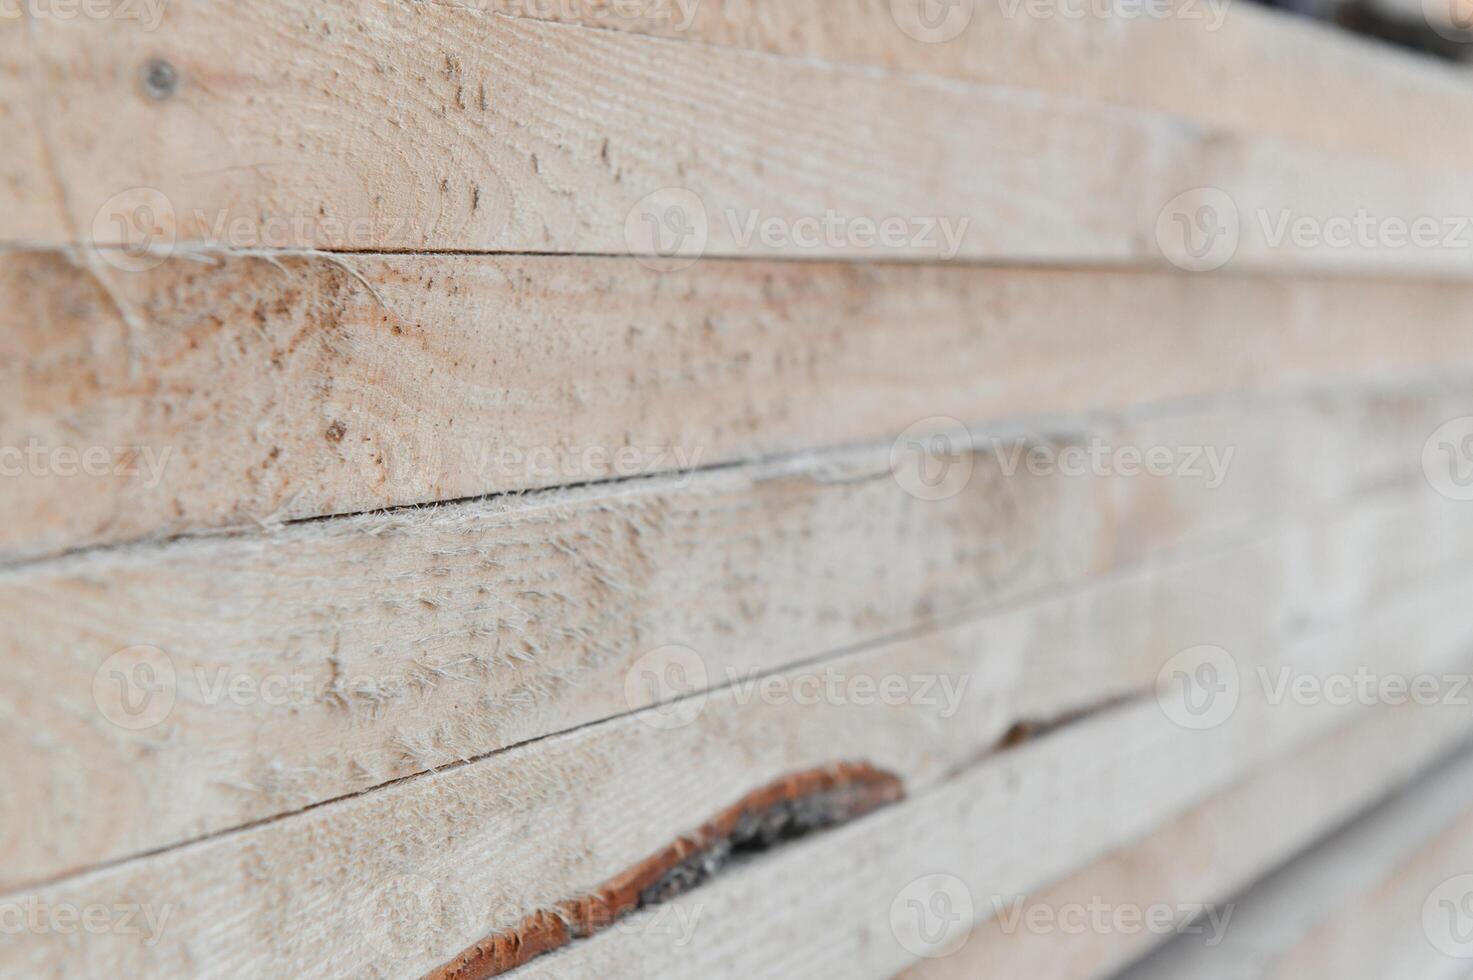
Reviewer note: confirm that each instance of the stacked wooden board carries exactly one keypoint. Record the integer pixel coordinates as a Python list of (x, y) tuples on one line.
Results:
[(1379, 899), (747, 488)]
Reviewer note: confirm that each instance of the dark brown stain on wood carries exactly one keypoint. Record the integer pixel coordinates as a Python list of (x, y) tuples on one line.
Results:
[(787, 810)]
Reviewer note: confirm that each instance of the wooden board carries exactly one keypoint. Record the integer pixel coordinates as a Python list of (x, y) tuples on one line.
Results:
[(334, 656), (1285, 75), (1305, 791), (413, 562), (1379, 899), (1204, 857), (253, 392), (524, 136), (32, 202), (842, 904), (473, 822)]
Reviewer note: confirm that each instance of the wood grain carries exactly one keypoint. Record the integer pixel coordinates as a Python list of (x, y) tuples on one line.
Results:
[(1284, 75), (1353, 906), (830, 909), (1207, 855), (638, 779), (775, 815), (254, 392), (32, 203), (372, 648), (447, 567), (366, 125)]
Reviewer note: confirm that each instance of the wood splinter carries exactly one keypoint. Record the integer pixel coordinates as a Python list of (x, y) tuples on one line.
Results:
[(786, 810)]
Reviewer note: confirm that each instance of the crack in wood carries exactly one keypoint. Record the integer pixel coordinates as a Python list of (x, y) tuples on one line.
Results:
[(787, 810), (1031, 729)]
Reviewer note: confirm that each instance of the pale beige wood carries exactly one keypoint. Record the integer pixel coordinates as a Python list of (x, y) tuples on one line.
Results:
[(31, 205), (377, 647), (525, 136), (1367, 902), (1205, 856), (826, 910), (1232, 65), (1389, 931), (254, 392), (527, 828)]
